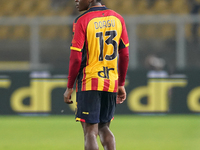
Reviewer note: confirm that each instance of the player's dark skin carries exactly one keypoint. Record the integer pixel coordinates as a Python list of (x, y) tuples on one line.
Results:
[(91, 131)]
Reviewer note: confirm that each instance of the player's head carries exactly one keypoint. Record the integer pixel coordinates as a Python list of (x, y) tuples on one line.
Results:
[(82, 5)]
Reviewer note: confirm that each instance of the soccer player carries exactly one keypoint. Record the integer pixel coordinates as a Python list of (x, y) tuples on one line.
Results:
[(99, 36)]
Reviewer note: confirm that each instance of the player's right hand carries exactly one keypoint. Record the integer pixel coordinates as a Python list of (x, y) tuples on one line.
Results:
[(67, 96)]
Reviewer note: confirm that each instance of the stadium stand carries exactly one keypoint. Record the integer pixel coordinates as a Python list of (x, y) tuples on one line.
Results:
[(33, 8), (20, 35)]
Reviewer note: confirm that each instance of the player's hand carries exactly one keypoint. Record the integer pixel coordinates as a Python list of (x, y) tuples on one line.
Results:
[(67, 96), (121, 95)]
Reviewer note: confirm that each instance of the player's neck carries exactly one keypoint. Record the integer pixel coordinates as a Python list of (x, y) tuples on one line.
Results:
[(95, 4)]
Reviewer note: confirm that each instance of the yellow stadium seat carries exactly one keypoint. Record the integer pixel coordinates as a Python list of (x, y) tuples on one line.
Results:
[(142, 7), (113, 4), (26, 8), (9, 8), (20, 32), (65, 32), (55, 32), (151, 31), (43, 6), (188, 29), (161, 7), (65, 11), (49, 32), (2, 6), (127, 7), (147, 31), (167, 31), (4, 32), (180, 7)]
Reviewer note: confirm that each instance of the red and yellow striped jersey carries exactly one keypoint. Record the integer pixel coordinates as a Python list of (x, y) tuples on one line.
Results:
[(99, 33)]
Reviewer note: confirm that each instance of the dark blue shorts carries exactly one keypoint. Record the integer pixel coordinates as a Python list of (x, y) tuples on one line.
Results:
[(95, 106)]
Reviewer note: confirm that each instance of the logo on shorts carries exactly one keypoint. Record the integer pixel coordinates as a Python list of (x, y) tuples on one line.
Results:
[(85, 113)]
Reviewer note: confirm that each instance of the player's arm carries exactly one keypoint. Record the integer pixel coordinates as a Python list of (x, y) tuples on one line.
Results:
[(74, 67), (75, 58), (122, 63), (122, 70)]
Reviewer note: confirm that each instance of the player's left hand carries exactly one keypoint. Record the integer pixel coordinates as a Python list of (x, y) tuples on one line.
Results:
[(121, 95), (67, 96)]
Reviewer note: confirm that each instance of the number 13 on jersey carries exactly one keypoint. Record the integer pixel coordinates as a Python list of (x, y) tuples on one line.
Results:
[(111, 35), (105, 37)]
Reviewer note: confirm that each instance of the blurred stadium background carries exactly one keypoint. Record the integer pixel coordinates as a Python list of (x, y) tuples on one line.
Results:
[(36, 34), (163, 75)]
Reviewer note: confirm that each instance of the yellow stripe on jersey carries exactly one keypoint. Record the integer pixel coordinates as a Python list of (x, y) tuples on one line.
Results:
[(76, 49), (88, 85), (127, 45)]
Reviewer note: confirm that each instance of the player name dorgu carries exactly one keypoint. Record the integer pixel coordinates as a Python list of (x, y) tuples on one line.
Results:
[(104, 24)]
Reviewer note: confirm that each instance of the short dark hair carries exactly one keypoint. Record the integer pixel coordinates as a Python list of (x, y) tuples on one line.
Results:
[(98, 0)]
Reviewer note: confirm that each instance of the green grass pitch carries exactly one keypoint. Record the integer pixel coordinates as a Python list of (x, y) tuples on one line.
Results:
[(132, 132)]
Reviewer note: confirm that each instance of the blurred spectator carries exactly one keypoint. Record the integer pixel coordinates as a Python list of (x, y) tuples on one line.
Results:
[(155, 65), (195, 7), (57, 4), (151, 3)]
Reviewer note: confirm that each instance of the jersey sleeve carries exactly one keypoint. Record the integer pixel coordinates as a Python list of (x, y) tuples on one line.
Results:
[(78, 36), (123, 65), (123, 55), (76, 52), (124, 41), (74, 67)]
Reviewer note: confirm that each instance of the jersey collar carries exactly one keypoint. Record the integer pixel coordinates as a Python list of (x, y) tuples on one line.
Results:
[(95, 8)]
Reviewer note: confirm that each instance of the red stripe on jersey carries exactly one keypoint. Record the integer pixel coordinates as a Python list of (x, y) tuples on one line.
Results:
[(116, 86), (84, 85), (106, 85), (94, 83), (87, 53)]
